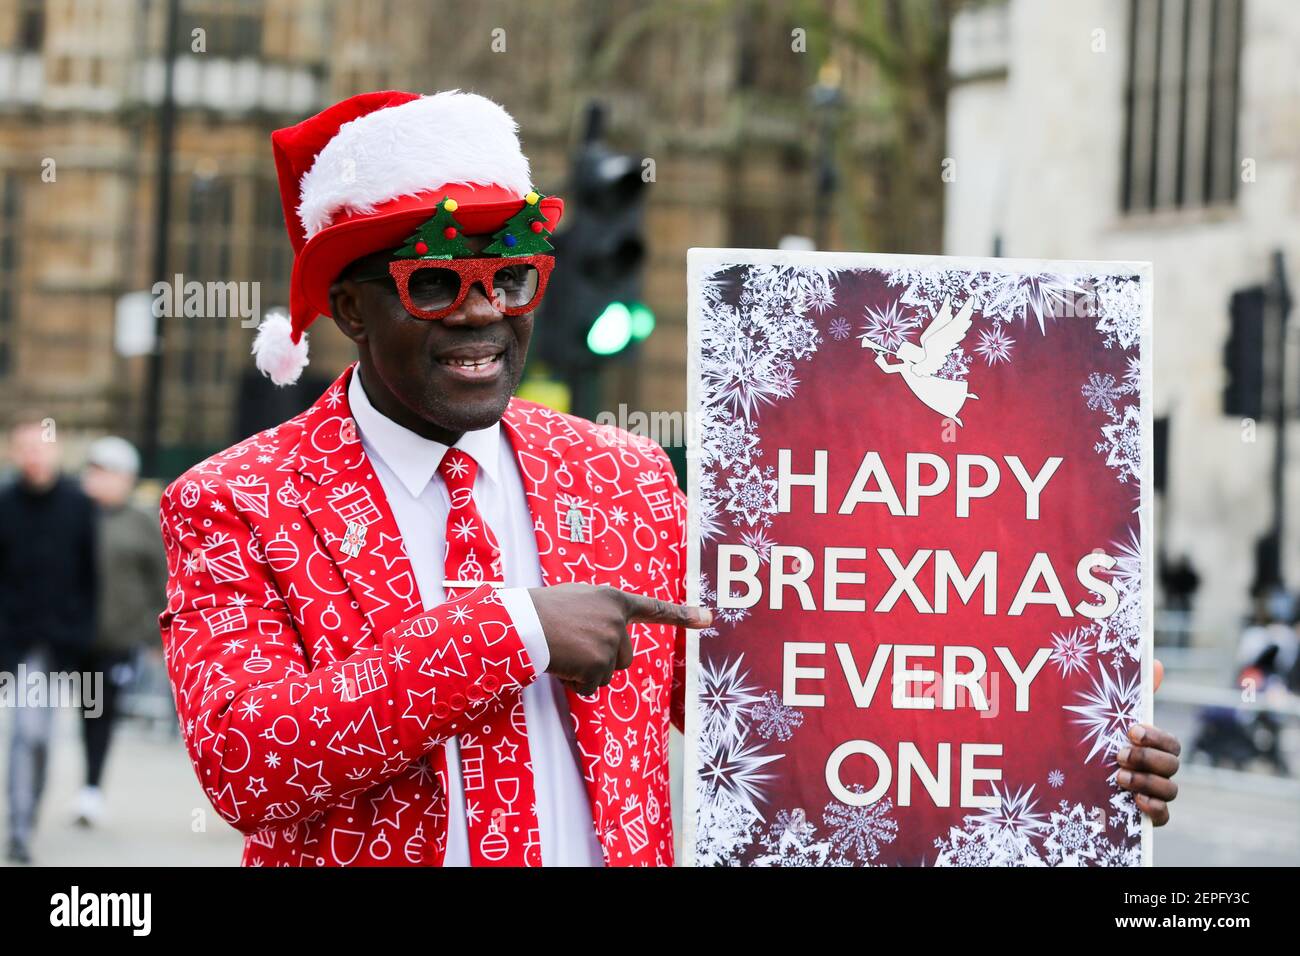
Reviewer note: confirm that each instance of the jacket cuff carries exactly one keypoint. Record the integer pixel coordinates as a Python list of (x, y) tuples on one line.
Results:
[(519, 605)]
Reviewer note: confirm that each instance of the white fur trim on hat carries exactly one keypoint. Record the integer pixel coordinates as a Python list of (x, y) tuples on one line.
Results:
[(449, 137), (277, 355)]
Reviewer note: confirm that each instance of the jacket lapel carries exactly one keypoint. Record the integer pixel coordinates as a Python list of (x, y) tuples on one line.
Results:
[(563, 519), (344, 501)]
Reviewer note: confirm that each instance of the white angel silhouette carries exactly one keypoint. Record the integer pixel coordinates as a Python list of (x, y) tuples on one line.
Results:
[(920, 364)]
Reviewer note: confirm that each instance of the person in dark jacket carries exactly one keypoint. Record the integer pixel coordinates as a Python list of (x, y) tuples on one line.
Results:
[(47, 604), (132, 575)]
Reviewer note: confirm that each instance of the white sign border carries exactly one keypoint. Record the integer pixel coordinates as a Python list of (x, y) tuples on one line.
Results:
[(701, 262)]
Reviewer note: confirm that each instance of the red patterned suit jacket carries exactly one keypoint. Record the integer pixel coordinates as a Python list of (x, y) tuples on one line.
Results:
[(314, 692)]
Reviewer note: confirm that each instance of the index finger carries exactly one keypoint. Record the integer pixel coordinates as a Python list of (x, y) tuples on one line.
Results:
[(648, 610)]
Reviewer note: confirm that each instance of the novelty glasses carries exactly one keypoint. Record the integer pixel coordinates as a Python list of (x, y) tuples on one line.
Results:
[(435, 288)]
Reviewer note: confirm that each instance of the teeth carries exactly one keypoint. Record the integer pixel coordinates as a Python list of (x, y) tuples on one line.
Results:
[(471, 363)]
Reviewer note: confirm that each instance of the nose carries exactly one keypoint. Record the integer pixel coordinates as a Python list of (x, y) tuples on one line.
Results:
[(477, 309)]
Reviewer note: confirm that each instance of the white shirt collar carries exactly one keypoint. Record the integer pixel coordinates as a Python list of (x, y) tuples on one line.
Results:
[(413, 458)]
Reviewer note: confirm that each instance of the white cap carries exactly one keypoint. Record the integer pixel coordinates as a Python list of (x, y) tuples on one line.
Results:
[(114, 454)]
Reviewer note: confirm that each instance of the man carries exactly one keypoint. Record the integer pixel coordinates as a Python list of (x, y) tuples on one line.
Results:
[(424, 622), (132, 573), (47, 604)]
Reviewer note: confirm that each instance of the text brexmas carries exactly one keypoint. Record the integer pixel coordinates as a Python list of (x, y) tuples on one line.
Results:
[(927, 576)]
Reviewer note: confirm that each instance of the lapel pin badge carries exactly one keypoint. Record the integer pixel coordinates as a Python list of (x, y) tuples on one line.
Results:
[(576, 524), (354, 539)]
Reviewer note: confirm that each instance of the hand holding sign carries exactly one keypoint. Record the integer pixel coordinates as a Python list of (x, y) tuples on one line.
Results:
[(1146, 770)]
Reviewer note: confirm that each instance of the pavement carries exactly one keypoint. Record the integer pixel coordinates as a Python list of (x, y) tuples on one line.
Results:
[(156, 815), (1213, 824), (1226, 818)]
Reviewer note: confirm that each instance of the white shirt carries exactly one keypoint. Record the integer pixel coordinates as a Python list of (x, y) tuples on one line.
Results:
[(407, 467)]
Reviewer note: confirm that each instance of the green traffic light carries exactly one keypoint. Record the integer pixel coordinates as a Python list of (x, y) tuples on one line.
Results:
[(643, 321), (611, 331)]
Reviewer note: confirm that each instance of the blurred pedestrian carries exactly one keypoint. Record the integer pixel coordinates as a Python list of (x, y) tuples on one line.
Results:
[(132, 574), (47, 603), (1267, 650), (1271, 634)]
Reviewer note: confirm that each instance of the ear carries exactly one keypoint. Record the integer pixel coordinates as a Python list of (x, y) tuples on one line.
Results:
[(345, 307)]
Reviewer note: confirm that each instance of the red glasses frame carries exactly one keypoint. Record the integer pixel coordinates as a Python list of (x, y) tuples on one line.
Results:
[(471, 272)]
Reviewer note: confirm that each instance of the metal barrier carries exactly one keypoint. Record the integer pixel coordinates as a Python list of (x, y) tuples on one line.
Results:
[(1177, 692), (1282, 707), (148, 698)]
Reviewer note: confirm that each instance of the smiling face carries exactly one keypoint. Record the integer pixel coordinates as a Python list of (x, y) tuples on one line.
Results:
[(437, 377)]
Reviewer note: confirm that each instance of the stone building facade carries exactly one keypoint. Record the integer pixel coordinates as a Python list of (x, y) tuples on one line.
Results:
[(717, 97), (1163, 131)]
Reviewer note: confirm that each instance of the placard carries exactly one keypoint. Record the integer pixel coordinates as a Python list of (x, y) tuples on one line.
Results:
[(920, 507)]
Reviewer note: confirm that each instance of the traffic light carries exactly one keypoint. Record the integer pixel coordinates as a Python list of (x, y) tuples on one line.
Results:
[(593, 311), (619, 325), (1243, 355)]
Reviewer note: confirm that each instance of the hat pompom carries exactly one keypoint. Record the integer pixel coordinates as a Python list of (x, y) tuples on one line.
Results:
[(277, 355)]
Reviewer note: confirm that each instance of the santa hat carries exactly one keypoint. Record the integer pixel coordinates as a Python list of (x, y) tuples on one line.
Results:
[(362, 175)]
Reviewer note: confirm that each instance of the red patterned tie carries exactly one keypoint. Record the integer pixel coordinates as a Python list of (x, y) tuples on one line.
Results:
[(496, 766)]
